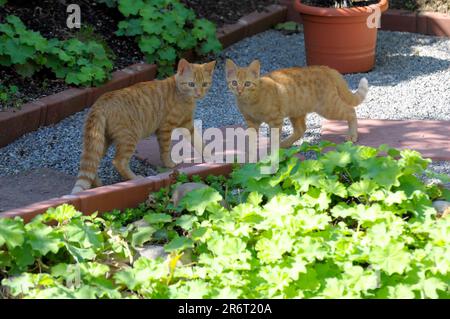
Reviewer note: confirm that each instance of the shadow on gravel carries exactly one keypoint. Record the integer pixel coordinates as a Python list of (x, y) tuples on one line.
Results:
[(401, 58)]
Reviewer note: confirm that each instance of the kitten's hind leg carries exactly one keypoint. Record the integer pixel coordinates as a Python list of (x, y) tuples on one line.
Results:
[(122, 159), (352, 126), (339, 110), (299, 127), (97, 182)]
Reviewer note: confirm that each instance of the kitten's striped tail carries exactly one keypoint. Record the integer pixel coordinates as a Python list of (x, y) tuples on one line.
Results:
[(93, 151), (352, 99)]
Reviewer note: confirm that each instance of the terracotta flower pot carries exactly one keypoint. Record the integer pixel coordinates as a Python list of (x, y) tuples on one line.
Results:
[(344, 39)]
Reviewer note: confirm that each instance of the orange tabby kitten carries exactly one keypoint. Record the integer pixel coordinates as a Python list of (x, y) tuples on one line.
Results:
[(294, 92), (125, 116)]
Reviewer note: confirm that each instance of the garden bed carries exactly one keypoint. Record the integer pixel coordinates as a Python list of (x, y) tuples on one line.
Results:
[(354, 223)]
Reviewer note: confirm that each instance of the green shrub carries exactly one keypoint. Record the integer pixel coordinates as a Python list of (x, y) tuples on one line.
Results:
[(165, 29), (77, 62), (354, 223)]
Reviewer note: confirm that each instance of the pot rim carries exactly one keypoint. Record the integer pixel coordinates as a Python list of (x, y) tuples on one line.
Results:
[(339, 12)]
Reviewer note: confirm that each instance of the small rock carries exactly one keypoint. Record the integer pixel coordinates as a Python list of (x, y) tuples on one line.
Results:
[(155, 251), (152, 251), (183, 189), (140, 223), (442, 207)]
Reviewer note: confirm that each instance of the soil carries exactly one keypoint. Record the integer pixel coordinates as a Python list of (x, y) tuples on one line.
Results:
[(98, 21), (226, 11)]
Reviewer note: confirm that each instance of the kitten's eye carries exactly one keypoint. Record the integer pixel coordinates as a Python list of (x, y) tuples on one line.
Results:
[(234, 83), (205, 84), (191, 84), (247, 83)]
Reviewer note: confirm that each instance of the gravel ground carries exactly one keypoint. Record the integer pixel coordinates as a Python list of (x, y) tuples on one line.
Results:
[(410, 81)]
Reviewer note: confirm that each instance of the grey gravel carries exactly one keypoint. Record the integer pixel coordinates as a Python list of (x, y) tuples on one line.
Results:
[(411, 80)]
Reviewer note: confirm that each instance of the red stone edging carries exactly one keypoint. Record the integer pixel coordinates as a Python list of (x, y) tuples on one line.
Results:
[(427, 23), (252, 24), (117, 196)]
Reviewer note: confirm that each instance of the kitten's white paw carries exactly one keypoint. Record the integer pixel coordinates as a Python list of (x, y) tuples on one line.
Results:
[(169, 164)]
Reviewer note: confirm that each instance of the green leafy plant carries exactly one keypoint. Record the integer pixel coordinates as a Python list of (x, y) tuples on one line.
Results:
[(9, 93), (165, 29), (357, 222), (87, 33), (289, 27), (77, 62)]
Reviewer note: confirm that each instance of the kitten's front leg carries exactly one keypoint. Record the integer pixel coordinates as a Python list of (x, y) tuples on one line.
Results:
[(299, 128), (251, 124), (277, 124), (164, 140), (195, 138)]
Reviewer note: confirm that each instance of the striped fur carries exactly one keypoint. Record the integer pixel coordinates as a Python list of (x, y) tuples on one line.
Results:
[(293, 93), (125, 116)]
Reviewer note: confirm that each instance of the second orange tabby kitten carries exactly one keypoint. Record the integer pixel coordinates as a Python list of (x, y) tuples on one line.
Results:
[(125, 116), (294, 92)]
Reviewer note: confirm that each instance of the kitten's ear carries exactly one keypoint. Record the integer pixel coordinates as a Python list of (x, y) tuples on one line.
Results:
[(255, 68), (184, 67), (230, 68), (209, 67)]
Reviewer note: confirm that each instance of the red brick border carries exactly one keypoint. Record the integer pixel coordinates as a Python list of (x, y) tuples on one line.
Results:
[(117, 196), (252, 24), (428, 23)]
